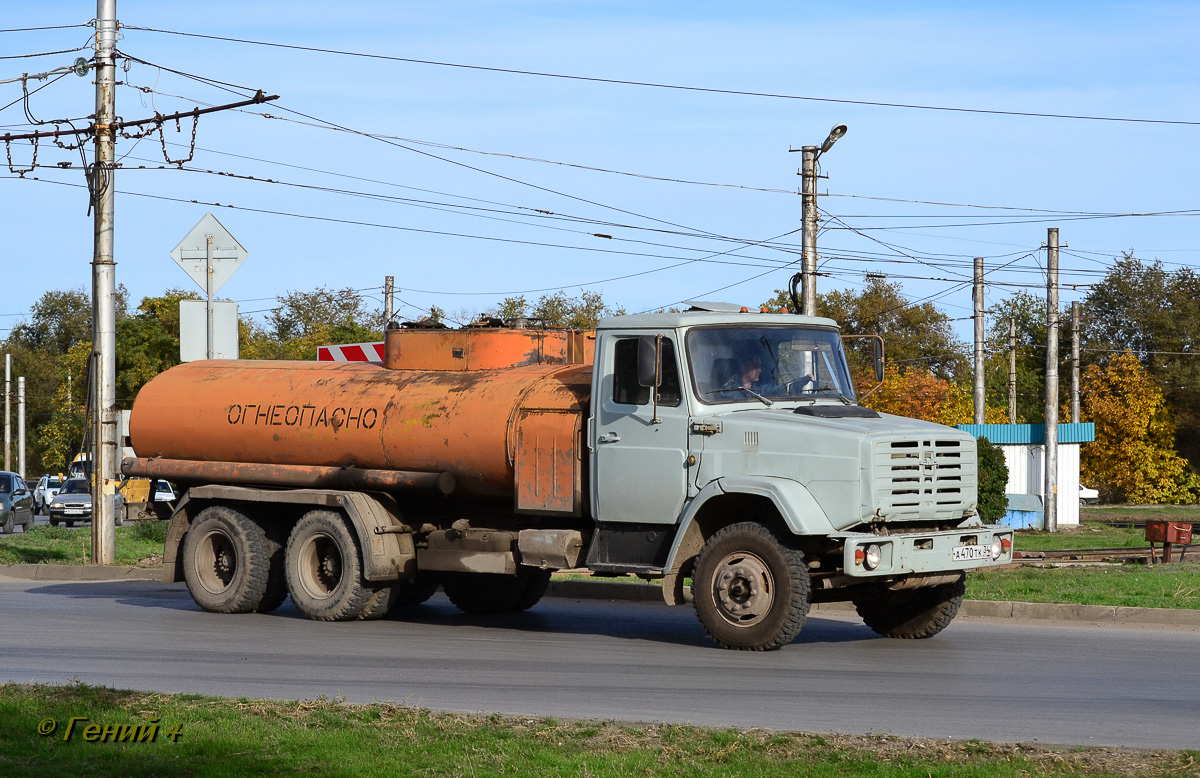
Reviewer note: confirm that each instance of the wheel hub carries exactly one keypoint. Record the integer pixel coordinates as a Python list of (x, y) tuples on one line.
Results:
[(743, 589)]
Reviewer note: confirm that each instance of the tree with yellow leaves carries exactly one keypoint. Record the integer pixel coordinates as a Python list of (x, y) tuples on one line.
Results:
[(1133, 456), (919, 394)]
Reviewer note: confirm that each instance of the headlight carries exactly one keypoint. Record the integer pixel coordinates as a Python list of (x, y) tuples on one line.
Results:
[(872, 556), (997, 547)]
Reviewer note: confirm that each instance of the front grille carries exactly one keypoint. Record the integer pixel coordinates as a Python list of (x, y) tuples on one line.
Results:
[(924, 478)]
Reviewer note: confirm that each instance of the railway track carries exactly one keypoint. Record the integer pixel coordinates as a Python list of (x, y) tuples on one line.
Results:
[(1132, 554)]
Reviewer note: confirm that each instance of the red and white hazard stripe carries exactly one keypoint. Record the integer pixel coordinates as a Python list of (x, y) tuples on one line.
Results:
[(352, 352)]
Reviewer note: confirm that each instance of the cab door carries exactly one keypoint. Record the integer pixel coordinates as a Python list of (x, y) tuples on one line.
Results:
[(639, 459)]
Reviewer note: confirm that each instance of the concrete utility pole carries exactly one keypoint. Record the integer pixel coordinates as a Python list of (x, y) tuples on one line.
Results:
[(808, 265), (7, 412), (1012, 370), (979, 396), (1075, 362), (21, 425), (389, 294), (1051, 475), (104, 319)]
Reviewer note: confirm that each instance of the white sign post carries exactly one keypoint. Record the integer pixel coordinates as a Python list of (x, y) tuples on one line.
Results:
[(210, 255)]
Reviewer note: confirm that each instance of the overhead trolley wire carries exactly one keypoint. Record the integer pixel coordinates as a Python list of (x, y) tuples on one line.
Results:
[(657, 85)]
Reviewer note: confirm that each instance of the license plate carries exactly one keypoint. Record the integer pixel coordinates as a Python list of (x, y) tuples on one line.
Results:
[(77, 511), (970, 553)]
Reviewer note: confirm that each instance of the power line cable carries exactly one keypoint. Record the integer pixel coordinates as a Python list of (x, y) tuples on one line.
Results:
[(656, 85)]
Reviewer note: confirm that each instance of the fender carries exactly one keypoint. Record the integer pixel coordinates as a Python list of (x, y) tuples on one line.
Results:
[(799, 509)]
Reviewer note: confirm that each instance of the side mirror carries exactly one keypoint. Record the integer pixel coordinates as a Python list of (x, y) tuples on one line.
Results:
[(648, 361), (877, 357)]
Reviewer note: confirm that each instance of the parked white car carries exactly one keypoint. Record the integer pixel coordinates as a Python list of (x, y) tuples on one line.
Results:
[(1088, 496), (47, 486)]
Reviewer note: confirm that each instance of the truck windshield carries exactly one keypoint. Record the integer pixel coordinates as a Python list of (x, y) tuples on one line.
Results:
[(735, 364)]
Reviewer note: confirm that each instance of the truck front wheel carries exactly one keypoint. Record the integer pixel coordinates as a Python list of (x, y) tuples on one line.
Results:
[(225, 561), (324, 570), (750, 588), (913, 613)]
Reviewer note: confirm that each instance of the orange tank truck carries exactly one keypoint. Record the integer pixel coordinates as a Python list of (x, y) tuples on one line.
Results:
[(714, 446)]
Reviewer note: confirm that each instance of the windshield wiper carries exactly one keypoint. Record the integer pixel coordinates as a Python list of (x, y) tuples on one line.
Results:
[(838, 392), (740, 388)]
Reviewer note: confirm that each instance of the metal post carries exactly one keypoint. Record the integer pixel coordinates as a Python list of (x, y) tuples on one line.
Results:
[(808, 269), (1051, 476), (104, 319), (1012, 370), (7, 412), (980, 401), (21, 425), (389, 293), (1075, 362), (208, 284)]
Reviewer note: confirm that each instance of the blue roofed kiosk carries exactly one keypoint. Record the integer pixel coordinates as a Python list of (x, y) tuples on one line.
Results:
[(1024, 447)]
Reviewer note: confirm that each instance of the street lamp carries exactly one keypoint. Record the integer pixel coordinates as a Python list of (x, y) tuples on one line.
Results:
[(808, 267)]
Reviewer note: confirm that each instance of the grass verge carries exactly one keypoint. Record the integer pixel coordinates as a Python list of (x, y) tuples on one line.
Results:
[(1131, 513), (139, 545), (1086, 535), (1141, 586), (221, 737)]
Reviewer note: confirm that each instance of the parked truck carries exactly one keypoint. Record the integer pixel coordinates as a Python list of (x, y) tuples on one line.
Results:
[(718, 450)]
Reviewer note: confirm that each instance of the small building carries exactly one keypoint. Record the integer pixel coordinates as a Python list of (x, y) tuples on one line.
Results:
[(1024, 447)]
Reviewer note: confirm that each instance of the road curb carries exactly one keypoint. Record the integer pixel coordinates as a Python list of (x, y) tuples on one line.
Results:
[(644, 592), (42, 572)]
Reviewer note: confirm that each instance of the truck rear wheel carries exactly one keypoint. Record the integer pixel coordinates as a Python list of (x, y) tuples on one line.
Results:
[(277, 591), (487, 593), (914, 613), (225, 561), (324, 569), (751, 590), (416, 591)]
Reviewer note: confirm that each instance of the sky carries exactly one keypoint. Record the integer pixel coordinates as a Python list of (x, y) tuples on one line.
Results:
[(470, 185)]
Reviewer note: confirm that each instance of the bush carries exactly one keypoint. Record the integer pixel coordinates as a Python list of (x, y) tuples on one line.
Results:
[(993, 481), (155, 531)]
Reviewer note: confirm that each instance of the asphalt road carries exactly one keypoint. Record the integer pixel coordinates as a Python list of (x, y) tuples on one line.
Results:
[(631, 661)]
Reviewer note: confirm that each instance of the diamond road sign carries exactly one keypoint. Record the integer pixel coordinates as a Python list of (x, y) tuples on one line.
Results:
[(193, 254)]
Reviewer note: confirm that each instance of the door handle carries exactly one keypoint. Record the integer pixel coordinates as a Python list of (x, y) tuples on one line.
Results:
[(609, 437)]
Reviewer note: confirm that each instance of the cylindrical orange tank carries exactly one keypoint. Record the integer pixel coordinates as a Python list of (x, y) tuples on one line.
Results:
[(336, 414)]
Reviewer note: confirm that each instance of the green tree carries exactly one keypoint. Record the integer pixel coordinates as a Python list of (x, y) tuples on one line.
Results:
[(559, 310), (1028, 312), (1154, 314), (148, 342), (916, 336), (305, 320), (993, 481)]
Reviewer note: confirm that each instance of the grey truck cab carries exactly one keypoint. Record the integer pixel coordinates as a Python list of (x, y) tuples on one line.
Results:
[(728, 448)]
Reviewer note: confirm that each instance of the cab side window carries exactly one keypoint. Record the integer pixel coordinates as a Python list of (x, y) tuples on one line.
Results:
[(625, 375)]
